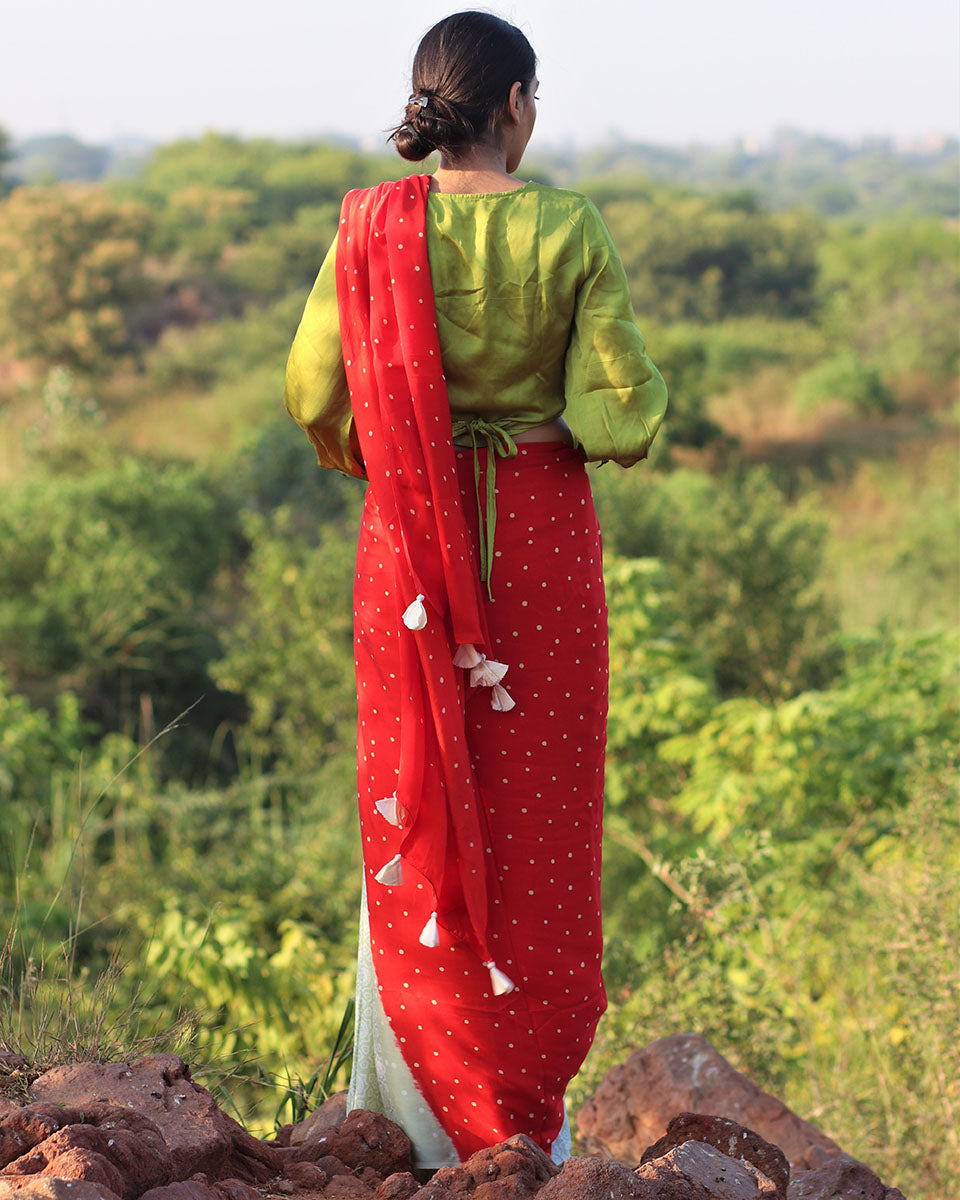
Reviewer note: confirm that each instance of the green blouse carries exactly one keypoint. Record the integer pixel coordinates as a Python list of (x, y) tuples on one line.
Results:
[(534, 320)]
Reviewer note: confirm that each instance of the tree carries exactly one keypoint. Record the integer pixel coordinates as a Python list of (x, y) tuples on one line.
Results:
[(690, 257), (70, 268)]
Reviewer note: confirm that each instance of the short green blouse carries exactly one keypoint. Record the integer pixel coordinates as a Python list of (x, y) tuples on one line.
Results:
[(534, 319)]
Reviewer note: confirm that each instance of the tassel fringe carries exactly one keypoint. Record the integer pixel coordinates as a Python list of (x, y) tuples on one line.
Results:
[(487, 672), (391, 873), (415, 615), (467, 656), (500, 699), (390, 809), (502, 984), (430, 937)]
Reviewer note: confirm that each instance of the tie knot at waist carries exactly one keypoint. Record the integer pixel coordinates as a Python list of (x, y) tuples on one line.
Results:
[(498, 441), (494, 433)]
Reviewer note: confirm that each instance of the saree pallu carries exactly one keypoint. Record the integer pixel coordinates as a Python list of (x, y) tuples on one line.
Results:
[(488, 1065)]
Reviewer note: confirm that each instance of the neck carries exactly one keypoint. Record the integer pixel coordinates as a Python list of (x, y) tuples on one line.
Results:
[(482, 167)]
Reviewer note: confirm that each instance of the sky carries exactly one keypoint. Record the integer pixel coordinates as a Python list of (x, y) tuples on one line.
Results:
[(677, 72)]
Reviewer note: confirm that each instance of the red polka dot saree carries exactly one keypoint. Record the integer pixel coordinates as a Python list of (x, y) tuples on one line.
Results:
[(481, 718)]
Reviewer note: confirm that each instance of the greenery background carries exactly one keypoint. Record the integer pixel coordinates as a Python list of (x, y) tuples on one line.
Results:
[(179, 860)]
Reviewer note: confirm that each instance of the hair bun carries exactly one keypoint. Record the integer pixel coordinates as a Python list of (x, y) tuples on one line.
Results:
[(462, 74), (411, 143)]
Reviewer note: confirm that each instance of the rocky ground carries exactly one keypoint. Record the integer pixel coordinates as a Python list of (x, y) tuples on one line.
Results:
[(673, 1122)]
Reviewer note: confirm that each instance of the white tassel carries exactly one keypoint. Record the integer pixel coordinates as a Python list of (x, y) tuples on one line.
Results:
[(467, 656), (430, 937), (487, 672), (391, 873), (415, 615), (390, 809), (500, 699), (501, 983)]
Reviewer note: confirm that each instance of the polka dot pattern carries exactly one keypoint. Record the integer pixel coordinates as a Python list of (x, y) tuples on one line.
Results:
[(481, 828), (492, 1066)]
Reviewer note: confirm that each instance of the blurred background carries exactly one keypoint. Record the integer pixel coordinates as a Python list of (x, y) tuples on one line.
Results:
[(179, 858)]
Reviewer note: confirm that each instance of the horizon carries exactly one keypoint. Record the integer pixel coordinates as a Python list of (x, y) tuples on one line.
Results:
[(850, 70), (931, 140)]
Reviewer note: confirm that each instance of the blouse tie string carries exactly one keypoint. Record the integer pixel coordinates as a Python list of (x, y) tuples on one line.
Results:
[(498, 441)]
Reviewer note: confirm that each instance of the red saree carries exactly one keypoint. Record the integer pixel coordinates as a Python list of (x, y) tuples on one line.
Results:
[(481, 722)]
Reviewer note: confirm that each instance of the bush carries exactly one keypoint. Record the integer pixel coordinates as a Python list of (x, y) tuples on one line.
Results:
[(290, 653), (105, 584), (844, 377), (70, 269), (745, 569)]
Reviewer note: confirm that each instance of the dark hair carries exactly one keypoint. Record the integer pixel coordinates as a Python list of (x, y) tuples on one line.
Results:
[(465, 66)]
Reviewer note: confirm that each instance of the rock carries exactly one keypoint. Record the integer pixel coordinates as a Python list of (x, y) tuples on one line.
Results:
[(345, 1187), (695, 1170), (332, 1166), (306, 1174), (596, 1179), (399, 1186), (844, 1177), (28, 1127), (512, 1170), (200, 1189), (120, 1149), (7, 1106), (48, 1187), (366, 1139), (197, 1134), (730, 1139), (684, 1073), (328, 1117)]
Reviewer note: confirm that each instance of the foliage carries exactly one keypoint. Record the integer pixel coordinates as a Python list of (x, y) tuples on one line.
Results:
[(781, 842), (844, 377), (662, 683), (281, 257), (276, 468), (302, 1096), (834, 757), (226, 349), (59, 157), (291, 652), (70, 267), (34, 743), (282, 176), (97, 593), (690, 258), (792, 170), (891, 292), (840, 996), (745, 568)]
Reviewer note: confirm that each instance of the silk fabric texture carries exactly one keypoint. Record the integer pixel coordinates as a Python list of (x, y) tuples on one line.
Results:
[(429, 850), (534, 321)]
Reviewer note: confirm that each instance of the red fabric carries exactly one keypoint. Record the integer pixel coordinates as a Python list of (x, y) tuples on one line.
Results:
[(503, 810), (402, 414), (492, 1066)]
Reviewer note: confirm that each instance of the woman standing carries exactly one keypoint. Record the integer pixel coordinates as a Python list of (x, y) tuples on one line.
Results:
[(469, 343)]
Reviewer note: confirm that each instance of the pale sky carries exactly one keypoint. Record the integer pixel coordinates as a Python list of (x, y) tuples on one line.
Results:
[(674, 72)]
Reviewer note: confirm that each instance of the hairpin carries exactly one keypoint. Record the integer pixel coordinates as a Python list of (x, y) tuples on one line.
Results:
[(421, 100)]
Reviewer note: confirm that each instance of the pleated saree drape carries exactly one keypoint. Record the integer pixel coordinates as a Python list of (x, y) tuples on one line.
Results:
[(481, 720)]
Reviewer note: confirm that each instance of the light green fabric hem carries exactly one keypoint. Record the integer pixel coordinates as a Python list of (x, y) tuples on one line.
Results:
[(382, 1082)]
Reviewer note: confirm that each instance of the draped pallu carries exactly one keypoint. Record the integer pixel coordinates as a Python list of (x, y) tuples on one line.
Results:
[(481, 722)]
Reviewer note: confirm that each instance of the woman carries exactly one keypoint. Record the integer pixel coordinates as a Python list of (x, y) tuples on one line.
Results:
[(468, 345)]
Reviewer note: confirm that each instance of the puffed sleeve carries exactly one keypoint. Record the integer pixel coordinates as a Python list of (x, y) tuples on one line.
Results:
[(615, 396), (316, 393)]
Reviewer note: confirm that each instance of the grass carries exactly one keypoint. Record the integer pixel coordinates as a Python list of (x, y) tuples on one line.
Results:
[(56, 1012)]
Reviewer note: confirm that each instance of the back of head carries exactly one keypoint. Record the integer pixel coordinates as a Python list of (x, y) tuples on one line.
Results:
[(462, 74)]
